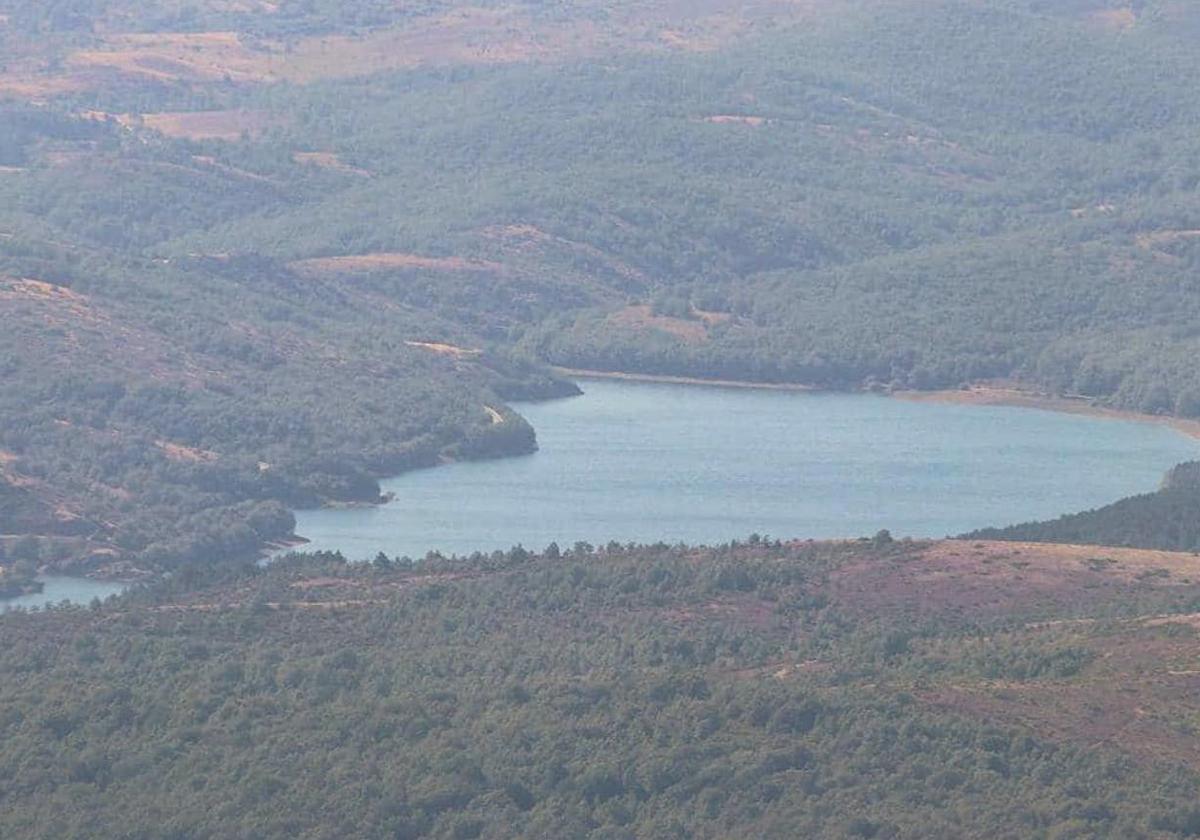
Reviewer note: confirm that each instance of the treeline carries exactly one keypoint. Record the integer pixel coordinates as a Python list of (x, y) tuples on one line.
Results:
[(909, 205), (22, 126), (1168, 519)]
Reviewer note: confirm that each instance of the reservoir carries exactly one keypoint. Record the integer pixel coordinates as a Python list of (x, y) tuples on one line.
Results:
[(645, 462), (59, 588)]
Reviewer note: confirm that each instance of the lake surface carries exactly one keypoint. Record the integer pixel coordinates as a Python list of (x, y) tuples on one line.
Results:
[(648, 462), (58, 588)]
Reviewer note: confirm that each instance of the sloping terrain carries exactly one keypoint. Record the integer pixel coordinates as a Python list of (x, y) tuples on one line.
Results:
[(120, 44), (831, 690), (238, 229), (145, 419)]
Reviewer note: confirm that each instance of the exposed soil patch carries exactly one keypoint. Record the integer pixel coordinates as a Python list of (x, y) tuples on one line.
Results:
[(445, 349), (1149, 241), (467, 35), (712, 318), (330, 161), (210, 125), (65, 326), (231, 125), (623, 376), (389, 262), (732, 119), (525, 241), (641, 318), (40, 290), (186, 454), (1116, 20), (213, 163), (176, 56), (1091, 716), (1096, 210), (1014, 395)]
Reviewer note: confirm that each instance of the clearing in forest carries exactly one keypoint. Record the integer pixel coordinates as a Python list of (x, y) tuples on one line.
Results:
[(390, 261)]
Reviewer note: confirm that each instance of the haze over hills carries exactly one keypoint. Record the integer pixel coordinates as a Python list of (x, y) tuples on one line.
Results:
[(256, 256), (223, 223), (845, 691)]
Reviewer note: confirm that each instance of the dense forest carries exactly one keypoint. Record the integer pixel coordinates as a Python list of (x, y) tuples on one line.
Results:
[(755, 689), (254, 256)]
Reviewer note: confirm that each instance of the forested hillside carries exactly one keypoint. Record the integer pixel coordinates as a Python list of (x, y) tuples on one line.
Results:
[(1167, 519), (254, 256), (870, 689)]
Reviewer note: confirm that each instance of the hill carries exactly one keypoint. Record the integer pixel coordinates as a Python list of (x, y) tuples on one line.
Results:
[(1165, 519), (866, 689), (237, 239)]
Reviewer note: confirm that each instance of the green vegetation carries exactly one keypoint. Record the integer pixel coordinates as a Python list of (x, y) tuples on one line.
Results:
[(888, 195), (621, 693), (1167, 519), (245, 273), (19, 576), (145, 419)]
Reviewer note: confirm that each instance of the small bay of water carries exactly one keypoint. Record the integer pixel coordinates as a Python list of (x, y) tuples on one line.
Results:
[(58, 588), (646, 462)]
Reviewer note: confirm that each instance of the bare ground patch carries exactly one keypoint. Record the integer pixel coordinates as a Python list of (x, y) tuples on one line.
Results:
[(1116, 20), (330, 161), (390, 261), (443, 349), (1011, 394), (502, 34), (734, 119), (641, 318), (526, 241), (176, 56), (1154, 239), (209, 125), (186, 454)]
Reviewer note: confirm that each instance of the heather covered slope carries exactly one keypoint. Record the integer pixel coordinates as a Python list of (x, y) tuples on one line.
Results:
[(869, 689)]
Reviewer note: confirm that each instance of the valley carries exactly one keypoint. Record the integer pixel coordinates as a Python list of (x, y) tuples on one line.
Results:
[(602, 419)]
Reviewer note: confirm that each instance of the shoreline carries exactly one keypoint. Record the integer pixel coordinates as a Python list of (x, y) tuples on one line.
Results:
[(666, 379), (977, 394), (1018, 398), (982, 394)]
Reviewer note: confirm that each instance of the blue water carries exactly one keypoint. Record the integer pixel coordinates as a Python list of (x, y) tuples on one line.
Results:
[(59, 588), (648, 462)]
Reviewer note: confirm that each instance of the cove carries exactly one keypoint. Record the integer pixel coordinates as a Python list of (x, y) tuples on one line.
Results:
[(635, 461), (59, 588)]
